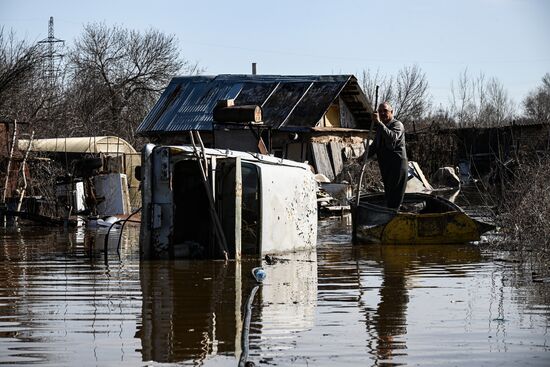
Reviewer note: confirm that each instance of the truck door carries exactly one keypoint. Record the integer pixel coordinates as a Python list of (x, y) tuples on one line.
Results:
[(238, 201)]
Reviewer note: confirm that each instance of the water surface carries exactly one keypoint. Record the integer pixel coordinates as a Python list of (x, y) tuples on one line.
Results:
[(65, 302)]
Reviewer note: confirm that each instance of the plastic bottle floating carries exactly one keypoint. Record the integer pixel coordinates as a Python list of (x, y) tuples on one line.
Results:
[(259, 274)]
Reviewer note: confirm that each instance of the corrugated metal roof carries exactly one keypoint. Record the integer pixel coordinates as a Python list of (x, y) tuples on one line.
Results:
[(527, 122), (287, 101)]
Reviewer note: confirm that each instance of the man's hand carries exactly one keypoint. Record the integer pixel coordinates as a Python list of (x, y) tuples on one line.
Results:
[(376, 118)]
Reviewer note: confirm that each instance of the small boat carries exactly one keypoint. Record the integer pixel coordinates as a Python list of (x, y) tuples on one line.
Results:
[(422, 219)]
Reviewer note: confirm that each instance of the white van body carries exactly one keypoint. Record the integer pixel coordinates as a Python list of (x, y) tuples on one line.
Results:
[(260, 204)]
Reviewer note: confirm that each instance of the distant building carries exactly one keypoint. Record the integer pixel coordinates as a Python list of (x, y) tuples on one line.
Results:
[(483, 147), (305, 118), (479, 149)]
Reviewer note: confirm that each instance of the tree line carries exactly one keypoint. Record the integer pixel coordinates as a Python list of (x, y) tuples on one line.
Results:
[(474, 100), (110, 78), (103, 85)]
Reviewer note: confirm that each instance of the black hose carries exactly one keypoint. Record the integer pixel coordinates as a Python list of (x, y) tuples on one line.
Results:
[(246, 326), (123, 221)]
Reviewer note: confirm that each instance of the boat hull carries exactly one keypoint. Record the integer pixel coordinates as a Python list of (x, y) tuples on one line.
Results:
[(374, 223)]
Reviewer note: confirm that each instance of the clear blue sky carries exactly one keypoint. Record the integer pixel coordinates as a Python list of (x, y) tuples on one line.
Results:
[(506, 39)]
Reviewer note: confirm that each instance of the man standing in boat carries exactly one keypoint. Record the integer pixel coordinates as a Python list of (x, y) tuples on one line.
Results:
[(389, 147)]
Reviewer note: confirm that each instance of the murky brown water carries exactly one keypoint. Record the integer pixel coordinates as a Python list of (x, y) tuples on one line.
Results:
[(63, 304)]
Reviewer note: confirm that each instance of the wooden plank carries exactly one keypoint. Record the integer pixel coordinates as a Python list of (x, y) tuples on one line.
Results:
[(321, 160), (249, 113), (38, 218), (238, 207), (336, 157), (421, 175)]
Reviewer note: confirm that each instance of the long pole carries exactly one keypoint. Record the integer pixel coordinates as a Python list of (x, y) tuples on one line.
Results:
[(23, 167), (366, 149), (7, 181), (10, 157)]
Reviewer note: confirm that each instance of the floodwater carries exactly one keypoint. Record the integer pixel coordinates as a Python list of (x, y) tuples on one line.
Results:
[(66, 302)]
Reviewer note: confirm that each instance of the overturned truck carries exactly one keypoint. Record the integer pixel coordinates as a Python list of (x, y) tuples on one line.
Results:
[(212, 203)]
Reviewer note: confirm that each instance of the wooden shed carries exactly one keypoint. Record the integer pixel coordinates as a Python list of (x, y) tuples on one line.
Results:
[(304, 118)]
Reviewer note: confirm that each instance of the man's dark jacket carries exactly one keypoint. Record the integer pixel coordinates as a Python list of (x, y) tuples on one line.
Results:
[(389, 146)]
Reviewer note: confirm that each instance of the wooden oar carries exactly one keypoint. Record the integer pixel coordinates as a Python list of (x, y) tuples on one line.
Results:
[(366, 150)]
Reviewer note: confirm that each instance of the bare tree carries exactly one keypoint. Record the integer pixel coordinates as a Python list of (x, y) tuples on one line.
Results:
[(20, 66), (460, 99), (407, 92), (370, 80), (537, 103), (463, 98), (480, 102), (411, 100), (498, 108), (117, 74)]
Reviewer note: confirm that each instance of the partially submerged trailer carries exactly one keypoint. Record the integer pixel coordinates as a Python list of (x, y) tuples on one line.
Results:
[(212, 203)]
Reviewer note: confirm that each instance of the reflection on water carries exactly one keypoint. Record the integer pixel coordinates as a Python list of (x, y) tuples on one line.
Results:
[(59, 305), (64, 303), (192, 310), (387, 320)]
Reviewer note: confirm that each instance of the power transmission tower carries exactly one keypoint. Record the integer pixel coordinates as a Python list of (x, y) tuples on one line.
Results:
[(50, 71)]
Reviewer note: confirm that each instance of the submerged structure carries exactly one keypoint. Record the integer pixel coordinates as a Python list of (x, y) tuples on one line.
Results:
[(113, 154), (211, 203), (97, 177)]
